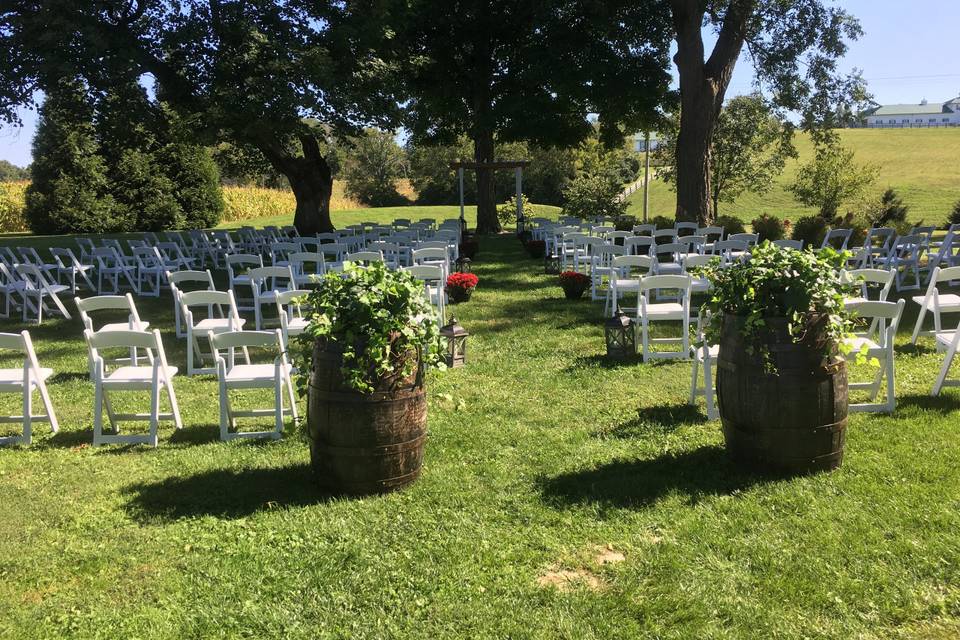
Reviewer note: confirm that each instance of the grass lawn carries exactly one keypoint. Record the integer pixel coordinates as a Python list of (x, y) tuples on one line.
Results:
[(542, 459), (921, 164)]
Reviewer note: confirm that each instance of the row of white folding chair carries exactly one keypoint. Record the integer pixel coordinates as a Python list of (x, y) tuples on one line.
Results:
[(627, 271)]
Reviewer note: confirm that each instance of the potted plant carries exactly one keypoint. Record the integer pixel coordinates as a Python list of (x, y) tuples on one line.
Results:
[(536, 248), (574, 284), (460, 286), (361, 362), (779, 319)]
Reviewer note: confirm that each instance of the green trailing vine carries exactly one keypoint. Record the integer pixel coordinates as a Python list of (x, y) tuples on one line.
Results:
[(780, 283), (376, 318)]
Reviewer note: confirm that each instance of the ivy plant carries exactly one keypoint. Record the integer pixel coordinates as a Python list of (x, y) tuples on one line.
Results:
[(780, 283), (376, 318)]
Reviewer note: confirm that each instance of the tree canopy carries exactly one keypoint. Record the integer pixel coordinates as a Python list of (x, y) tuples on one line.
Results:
[(502, 71), (280, 77)]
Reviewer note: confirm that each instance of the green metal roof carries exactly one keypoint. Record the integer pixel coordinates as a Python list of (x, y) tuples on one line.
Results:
[(908, 109)]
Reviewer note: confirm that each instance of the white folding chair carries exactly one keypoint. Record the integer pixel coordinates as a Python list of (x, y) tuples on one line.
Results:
[(627, 271), (936, 302), (37, 291), (232, 376), (238, 266), (904, 257), (877, 342), (434, 284), (306, 266), (173, 257), (113, 303), (111, 269), (796, 245), (292, 322), (179, 280), (151, 270), (153, 377), (191, 305), (704, 355), (69, 266), (29, 255), (11, 287), (879, 281), (263, 282), (24, 380), (649, 312), (601, 268), (364, 257), (837, 238)]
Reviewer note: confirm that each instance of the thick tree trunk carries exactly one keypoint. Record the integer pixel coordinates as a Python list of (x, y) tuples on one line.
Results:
[(703, 85), (311, 180), (487, 220), (697, 123)]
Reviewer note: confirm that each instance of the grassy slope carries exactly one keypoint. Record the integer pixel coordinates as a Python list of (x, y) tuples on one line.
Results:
[(540, 452), (921, 164)]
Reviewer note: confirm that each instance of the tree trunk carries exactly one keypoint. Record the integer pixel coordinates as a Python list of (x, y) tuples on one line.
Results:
[(697, 122), (703, 85), (487, 220), (311, 180)]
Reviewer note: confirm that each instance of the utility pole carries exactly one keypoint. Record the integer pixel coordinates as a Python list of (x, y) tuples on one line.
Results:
[(646, 174)]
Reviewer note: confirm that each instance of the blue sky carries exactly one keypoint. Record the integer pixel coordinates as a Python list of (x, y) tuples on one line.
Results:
[(908, 52)]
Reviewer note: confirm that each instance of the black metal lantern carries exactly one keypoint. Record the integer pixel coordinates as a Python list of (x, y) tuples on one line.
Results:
[(620, 336), (551, 264), (456, 347), (462, 265)]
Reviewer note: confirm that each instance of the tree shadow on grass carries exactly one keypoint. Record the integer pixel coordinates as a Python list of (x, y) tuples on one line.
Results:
[(225, 493), (694, 475), (601, 361), (657, 419)]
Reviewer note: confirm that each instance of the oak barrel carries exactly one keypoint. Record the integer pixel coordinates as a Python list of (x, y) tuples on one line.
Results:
[(364, 443), (786, 414)]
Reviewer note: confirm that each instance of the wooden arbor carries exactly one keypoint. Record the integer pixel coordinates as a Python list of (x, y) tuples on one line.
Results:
[(516, 165)]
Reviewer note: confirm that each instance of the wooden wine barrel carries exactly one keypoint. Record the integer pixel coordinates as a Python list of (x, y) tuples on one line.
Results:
[(791, 421), (364, 443)]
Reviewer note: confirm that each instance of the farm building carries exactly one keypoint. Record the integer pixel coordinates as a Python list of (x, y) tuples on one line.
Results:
[(925, 114)]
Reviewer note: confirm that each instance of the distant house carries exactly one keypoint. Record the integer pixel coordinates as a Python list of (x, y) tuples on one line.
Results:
[(639, 142), (925, 114)]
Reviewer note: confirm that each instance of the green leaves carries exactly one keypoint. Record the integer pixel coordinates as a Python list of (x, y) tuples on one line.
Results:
[(779, 283), (376, 317)]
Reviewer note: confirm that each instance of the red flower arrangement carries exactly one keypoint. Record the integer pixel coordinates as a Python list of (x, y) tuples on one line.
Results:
[(461, 285), (574, 278), (574, 284), (462, 280)]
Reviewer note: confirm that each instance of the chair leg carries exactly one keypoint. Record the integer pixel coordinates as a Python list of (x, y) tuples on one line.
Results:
[(693, 382), (48, 406), (154, 410), (708, 390), (919, 325), (278, 385), (944, 370), (224, 413), (891, 386), (98, 414), (27, 437), (174, 405)]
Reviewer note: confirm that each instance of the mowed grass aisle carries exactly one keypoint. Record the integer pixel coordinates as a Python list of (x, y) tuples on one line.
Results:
[(545, 466)]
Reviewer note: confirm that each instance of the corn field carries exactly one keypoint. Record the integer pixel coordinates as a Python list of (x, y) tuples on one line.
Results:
[(11, 207), (242, 203)]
